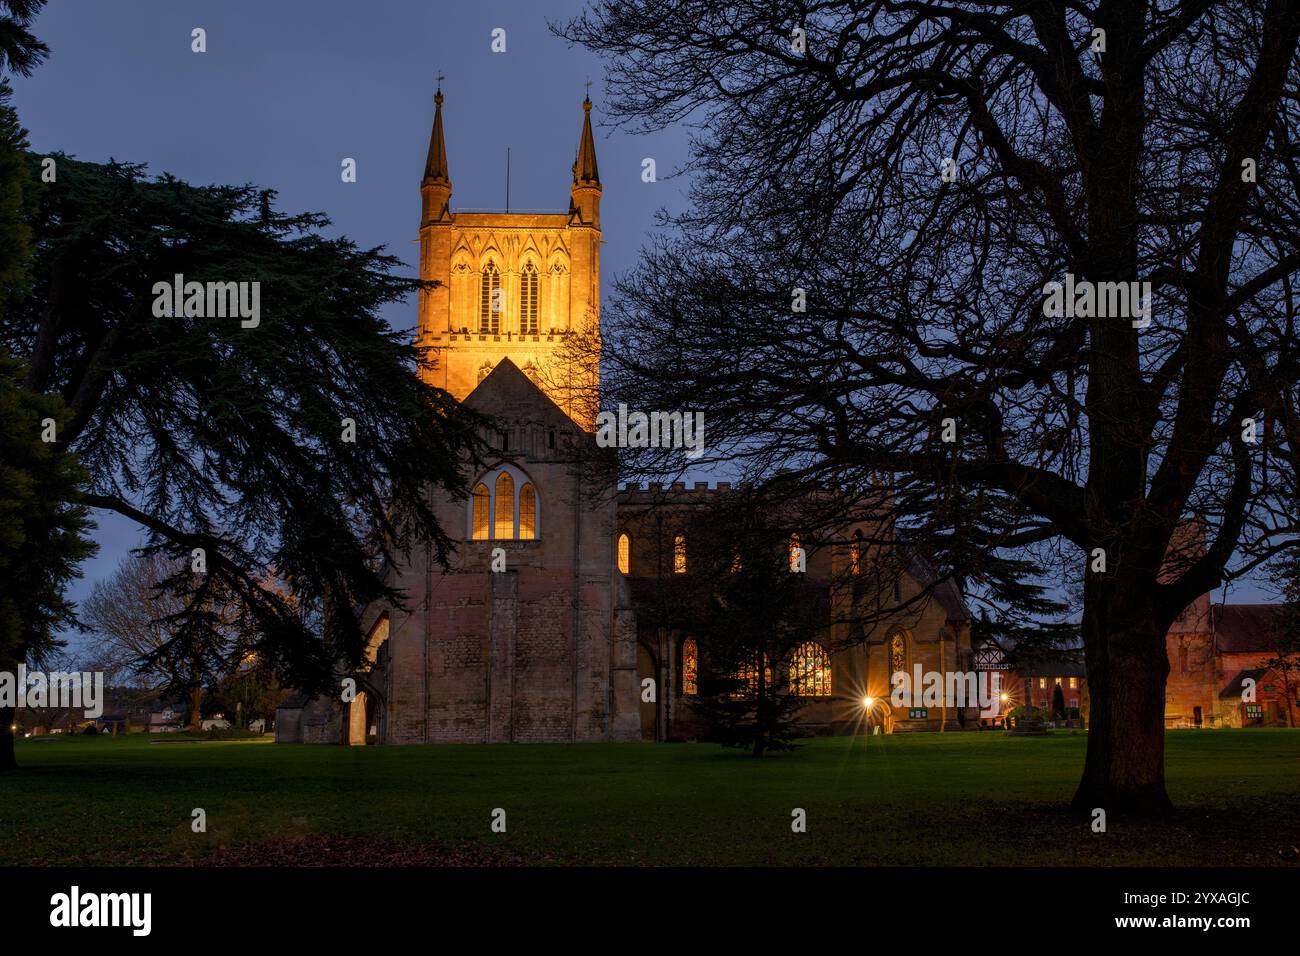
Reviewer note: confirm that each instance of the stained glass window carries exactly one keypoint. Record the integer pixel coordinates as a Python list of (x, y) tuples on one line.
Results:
[(796, 553), (810, 671), (748, 677), (624, 553), (855, 554), (690, 668), (897, 654), (679, 554)]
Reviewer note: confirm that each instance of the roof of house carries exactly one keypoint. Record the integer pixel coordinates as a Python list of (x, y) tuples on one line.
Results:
[(1234, 687), (1245, 628), (1059, 664)]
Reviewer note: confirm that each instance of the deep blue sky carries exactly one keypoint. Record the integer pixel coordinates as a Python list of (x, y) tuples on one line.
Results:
[(289, 88)]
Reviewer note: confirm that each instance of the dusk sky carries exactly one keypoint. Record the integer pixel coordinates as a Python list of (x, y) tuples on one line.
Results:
[(287, 90)]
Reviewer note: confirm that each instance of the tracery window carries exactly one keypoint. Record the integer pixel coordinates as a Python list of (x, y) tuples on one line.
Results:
[(810, 670), (679, 554), (504, 506), (528, 300), (855, 554), (796, 554), (489, 301)]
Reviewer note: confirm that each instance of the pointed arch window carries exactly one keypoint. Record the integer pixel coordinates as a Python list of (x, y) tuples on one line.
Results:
[(489, 300), (480, 505), (505, 506), (624, 554), (897, 653), (855, 554), (690, 668), (527, 513), (528, 300), (679, 554), (810, 670)]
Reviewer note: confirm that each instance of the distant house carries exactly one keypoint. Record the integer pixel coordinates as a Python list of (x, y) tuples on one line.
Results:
[(1216, 664), (164, 721)]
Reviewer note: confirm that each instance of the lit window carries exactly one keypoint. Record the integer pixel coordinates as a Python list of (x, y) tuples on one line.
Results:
[(810, 671), (528, 300), (855, 554), (489, 303), (897, 654), (527, 513), (679, 554), (1042, 683), (690, 668), (624, 553), (796, 554), (505, 506), (736, 565), (482, 524), (1074, 683), (748, 678)]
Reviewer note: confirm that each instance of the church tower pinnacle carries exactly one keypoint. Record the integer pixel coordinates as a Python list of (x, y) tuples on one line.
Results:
[(584, 204), (523, 286), (435, 187)]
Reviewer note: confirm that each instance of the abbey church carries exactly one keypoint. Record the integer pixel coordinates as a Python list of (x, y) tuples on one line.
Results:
[(546, 627)]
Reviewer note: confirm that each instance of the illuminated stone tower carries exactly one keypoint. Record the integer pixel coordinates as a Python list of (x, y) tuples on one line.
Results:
[(523, 286)]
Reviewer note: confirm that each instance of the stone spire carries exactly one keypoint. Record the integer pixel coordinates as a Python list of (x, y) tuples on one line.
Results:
[(584, 169), (435, 187), (584, 206), (435, 167)]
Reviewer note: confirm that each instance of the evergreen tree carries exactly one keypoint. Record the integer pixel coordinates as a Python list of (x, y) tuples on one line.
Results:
[(757, 610), (302, 444)]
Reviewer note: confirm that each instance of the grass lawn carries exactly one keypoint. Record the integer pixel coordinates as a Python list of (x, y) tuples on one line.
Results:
[(916, 799)]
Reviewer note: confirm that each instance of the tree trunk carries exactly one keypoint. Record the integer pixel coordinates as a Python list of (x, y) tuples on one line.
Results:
[(195, 697), (1124, 772), (7, 759)]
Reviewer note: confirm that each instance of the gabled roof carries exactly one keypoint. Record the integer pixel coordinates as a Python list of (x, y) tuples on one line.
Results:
[(945, 592), (1235, 686), (1245, 628), (506, 391)]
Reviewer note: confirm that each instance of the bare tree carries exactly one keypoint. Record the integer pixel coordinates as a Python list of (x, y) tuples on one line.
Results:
[(884, 194), (132, 617)]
